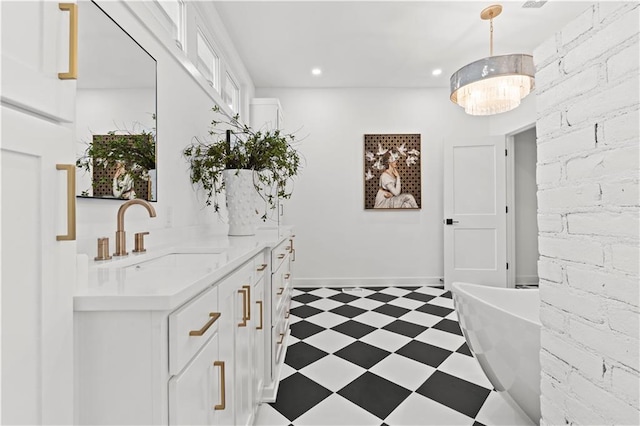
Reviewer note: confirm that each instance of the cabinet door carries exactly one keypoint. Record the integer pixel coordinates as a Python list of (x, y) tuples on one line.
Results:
[(246, 320), (258, 352), (35, 48), (196, 394), (38, 271)]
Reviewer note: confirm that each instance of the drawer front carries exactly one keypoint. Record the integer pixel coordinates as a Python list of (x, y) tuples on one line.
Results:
[(195, 392), (190, 327), (281, 288), (260, 266), (280, 254), (279, 338)]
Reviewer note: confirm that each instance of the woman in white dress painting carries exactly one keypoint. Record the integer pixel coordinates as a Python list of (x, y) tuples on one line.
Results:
[(123, 185), (390, 194)]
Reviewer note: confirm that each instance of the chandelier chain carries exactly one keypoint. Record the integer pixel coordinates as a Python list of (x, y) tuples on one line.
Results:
[(491, 37)]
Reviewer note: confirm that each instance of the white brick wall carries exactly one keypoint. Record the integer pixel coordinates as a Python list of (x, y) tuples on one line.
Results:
[(587, 96)]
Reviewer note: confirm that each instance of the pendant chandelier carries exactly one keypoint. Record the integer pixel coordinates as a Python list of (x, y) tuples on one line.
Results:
[(494, 84)]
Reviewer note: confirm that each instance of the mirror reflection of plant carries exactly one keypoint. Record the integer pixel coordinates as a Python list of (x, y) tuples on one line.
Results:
[(135, 150), (270, 153)]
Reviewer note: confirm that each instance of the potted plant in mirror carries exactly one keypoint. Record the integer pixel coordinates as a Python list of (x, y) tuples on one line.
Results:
[(243, 162), (119, 163)]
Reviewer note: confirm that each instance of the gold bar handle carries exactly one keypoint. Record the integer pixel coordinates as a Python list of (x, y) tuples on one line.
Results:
[(71, 202), (287, 276), (293, 259), (214, 317), (259, 302), (287, 315), (262, 267), (244, 308), (281, 339), (223, 385), (288, 248), (291, 245), (279, 293), (281, 256), (248, 288), (72, 74)]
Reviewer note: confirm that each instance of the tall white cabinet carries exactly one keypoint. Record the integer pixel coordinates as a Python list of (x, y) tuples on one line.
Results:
[(266, 115), (38, 214)]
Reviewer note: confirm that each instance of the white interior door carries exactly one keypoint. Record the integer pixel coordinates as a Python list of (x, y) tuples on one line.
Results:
[(475, 211)]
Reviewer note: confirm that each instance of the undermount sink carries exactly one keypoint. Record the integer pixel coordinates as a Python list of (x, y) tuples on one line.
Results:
[(170, 258), (180, 260)]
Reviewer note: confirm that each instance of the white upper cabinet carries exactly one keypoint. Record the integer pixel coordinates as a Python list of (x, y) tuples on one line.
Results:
[(39, 57)]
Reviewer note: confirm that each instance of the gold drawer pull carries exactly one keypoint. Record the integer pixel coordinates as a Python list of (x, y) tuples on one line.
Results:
[(281, 339), (223, 396), (244, 307), (259, 302), (281, 256), (288, 248), (279, 293), (71, 201), (287, 276), (287, 315), (214, 317), (294, 255), (262, 267), (72, 74)]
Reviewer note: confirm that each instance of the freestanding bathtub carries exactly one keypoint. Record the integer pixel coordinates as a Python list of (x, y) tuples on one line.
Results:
[(502, 329)]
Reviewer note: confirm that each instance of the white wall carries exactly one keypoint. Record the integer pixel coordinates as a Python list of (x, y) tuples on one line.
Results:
[(526, 207), (338, 241), (588, 200), (184, 111)]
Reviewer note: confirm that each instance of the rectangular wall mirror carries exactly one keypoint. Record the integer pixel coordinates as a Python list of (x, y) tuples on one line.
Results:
[(115, 111)]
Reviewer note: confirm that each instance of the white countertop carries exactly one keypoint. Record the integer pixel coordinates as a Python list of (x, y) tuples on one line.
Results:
[(168, 275)]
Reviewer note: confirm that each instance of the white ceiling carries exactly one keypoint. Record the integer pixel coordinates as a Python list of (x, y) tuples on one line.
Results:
[(379, 43)]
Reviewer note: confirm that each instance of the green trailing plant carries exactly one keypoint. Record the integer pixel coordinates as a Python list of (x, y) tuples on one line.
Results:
[(135, 150), (236, 146)]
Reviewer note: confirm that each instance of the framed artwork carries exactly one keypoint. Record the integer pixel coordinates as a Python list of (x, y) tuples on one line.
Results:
[(392, 171)]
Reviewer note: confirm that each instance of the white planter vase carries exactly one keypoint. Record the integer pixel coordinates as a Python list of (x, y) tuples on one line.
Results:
[(240, 201)]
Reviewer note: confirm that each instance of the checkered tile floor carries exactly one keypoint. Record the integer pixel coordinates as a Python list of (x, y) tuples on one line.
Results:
[(381, 356)]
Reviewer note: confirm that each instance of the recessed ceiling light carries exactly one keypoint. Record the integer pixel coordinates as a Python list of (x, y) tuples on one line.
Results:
[(316, 71), (437, 71)]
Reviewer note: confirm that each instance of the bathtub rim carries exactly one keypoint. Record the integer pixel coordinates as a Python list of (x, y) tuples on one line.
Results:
[(460, 286)]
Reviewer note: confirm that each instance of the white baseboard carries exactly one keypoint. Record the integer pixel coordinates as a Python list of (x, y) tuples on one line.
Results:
[(367, 282)]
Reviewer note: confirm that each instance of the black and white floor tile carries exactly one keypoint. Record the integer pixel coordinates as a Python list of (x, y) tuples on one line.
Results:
[(381, 356)]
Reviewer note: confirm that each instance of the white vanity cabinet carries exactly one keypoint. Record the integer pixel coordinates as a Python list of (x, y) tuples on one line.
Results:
[(191, 365), (281, 290)]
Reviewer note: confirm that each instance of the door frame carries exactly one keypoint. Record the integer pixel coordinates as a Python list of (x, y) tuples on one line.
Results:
[(510, 201)]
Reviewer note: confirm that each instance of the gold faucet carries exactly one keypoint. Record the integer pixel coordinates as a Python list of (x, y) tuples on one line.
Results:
[(121, 240)]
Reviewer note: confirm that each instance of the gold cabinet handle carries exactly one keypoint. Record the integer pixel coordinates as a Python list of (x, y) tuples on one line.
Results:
[(291, 244), (281, 256), (287, 315), (71, 202), (288, 248), (223, 385), (72, 74), (262, 267), (259, 302), (244, 307), (293, 259), (279, 293), (281, 339), (214, 317), (248, 288), (287, 276)]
